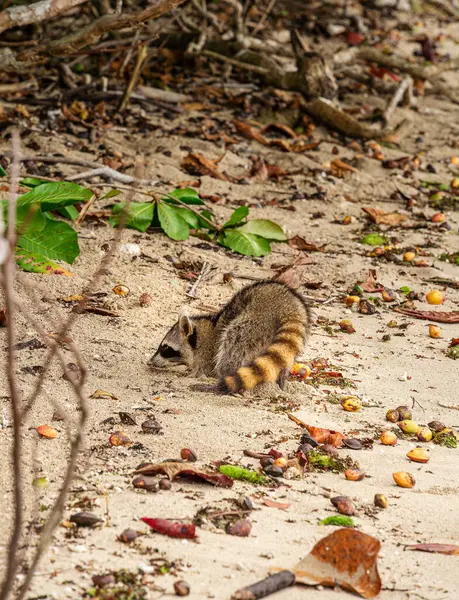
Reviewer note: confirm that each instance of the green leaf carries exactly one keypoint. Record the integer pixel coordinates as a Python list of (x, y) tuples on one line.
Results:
[(138, 215), (32, 182), (35, 263), (55, 195), (2, 171), (405, 290), (69, 212), (339, 521), (209, 216), (173, 224), (244, 243), (29, 216), (56, 240), (188, 216), (264, 228), (238, 215), (111, 194), (373, 239), (186, 195)]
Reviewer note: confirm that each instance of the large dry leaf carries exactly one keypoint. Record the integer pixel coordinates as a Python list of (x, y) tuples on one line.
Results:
[(250, 132), (436, 548), (178, 469), (347, 558), (197, 164), (371, 285), (299, 243), (293, 145), (338, 168), (431, 315), (384, 218)]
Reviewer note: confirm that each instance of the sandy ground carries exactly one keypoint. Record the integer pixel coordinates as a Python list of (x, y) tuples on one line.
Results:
[(410, 368)]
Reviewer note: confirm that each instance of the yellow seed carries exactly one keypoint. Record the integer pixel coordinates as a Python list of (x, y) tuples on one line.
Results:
[(408, 426), (381, 501), (121, 290), (347, 326), (404, 479), (351, 403), (349, 300), (425, 434), (354, 474), (455, 183), (455, 160), (435, 297), (438, 217), (388, 438), (409, 256), (434, 331), (418, 455), (393, 415)]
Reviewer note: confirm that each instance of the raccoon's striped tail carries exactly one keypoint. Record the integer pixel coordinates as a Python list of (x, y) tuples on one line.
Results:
[(287, 344)]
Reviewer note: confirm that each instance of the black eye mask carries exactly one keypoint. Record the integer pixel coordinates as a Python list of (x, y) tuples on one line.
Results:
[(168, 352)]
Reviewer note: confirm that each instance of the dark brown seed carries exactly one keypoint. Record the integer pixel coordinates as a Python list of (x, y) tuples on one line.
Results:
[(330, 450), (241, 528), (151, 426), (227, 277), (366, 308), (128, 536), (188, 455), (165, 484), (404, 413), (436, 426), (109, 421), (145, 482), (267, 461), (181, 588), (305, 448), (101, 581), (343, 505), (274, 471), (85, 519), (58, 415), (145, 300), (245, 503), (307, 439), (127, 419), (352, 443)]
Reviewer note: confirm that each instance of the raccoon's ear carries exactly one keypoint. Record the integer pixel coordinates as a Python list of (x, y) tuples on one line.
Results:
[(186, 324)]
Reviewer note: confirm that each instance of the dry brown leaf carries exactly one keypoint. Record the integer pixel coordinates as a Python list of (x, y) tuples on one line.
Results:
[(274, 504), (299, 243), (250, 132), (384, 218), (431, 315), (197, 164), (347, 558), (436, 548), (98, 394), (338, 168), (371, 285), (178, 469), (280, 127)]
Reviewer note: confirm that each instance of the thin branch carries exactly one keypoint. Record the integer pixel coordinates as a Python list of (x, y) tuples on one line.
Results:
[(236, 63), (90, 34), (142, 55), (402, 90), (26, 14), (8, 287)]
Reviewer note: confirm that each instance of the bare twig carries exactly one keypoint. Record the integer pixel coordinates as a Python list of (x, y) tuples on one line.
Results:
[(85, 209), (8, 285), (127, 58), (90, 34), (206, 269), (402, 90), (265, 15), (141, 57), (25, 14), (109, 173), (235, 63)]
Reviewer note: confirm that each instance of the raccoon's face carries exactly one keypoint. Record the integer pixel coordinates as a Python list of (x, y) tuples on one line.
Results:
[(177, 347)]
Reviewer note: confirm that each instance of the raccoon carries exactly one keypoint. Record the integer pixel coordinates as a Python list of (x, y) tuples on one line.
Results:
[(254, 339)]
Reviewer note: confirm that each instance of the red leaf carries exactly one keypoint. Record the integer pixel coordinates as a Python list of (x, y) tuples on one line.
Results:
[(436, 548), (431, 315), (177, 530), (354, 38)]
